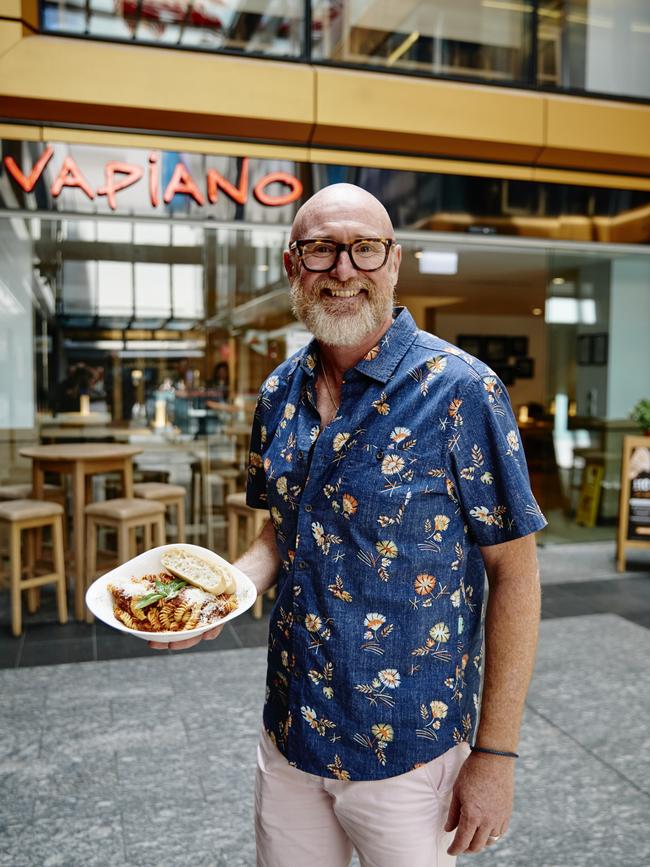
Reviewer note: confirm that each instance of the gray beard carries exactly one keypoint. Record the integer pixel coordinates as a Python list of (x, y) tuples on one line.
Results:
[(336, 328)]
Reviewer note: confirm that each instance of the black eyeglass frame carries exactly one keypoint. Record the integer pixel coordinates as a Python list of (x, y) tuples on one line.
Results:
[(298, 248)]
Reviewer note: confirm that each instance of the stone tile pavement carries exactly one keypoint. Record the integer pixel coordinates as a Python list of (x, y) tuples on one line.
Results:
[(149, 761)]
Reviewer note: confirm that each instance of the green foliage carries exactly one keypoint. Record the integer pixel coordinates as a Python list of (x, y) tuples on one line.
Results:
[(163, 591), (641, 414)]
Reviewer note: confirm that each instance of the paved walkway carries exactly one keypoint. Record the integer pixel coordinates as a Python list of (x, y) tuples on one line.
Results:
[(150, 761)]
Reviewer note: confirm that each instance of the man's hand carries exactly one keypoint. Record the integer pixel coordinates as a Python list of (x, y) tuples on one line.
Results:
[(481, 804), (189, 642)]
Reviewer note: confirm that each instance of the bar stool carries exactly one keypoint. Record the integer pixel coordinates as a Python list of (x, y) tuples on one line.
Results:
[(53, 493), (126, 515), (172, 496), (33, 515), (226, 479), (254, 520)]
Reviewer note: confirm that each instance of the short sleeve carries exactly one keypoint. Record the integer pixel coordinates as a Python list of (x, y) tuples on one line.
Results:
[(488, 466), (256, 482)]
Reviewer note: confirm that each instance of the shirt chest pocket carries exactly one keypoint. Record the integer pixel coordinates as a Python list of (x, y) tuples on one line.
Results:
[(398, 491)]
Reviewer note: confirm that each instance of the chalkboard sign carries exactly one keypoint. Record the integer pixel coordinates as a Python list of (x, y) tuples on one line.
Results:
[(634, 512)]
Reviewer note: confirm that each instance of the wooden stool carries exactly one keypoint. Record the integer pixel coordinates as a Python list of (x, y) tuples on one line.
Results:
[(126, 515), (52, 493), (171, 496), (254, 521), (226, 478), (32, 515)]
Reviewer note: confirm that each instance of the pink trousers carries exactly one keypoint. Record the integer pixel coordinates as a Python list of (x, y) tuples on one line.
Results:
[(302, 820)]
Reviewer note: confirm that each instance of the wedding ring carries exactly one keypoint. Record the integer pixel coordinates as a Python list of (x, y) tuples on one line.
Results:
[(494, 838)]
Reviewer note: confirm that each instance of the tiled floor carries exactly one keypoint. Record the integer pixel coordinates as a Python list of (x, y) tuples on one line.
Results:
[(577, 580), (149, 762), (46, 642)]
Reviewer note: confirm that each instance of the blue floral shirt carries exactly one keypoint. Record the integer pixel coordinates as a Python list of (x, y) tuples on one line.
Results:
[(375, 642)]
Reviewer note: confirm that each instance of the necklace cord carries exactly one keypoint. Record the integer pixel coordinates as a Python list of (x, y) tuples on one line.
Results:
[(327, 386)]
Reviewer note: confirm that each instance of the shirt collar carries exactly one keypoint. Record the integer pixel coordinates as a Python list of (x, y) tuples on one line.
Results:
[(380, 361)]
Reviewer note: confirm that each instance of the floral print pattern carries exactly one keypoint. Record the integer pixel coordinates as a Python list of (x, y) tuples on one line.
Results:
[(375, 641)]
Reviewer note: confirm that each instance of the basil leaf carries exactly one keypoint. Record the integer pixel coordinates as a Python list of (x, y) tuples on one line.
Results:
[(148, 600), (162, 591)]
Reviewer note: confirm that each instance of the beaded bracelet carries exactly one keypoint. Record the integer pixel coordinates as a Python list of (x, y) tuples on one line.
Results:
[(495, 752)]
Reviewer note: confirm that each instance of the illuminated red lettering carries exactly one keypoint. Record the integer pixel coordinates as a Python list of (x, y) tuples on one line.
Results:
[(113, 185), (278, 178), (70, 176), (28, 183), (154, 178), (182, 182), (120, 175), (217, 181)]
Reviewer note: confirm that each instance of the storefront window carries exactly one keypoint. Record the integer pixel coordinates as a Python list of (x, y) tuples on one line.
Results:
[(251, 28), (591, 46), (165, 316), (470, 38), (599, 46)]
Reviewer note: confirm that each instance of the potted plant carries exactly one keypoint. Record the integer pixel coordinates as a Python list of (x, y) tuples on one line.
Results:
[(641, 415)]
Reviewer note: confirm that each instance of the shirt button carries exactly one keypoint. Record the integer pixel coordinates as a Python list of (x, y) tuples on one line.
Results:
[(301, 454), (379, 455), (302, 564), (308, 508)]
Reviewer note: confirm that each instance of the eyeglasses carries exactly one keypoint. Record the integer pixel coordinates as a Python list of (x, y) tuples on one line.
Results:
[(366, 254)]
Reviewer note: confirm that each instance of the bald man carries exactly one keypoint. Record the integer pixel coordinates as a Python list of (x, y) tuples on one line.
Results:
[(391, 467)]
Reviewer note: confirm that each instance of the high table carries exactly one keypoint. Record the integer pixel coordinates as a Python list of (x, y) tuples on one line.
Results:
[(81, 461)]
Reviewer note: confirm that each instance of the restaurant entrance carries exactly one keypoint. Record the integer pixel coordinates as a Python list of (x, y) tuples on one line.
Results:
[(159, 334), (143, 301)]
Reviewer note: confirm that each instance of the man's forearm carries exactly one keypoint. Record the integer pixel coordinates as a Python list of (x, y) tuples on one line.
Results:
[(262, 560), (511, 628)]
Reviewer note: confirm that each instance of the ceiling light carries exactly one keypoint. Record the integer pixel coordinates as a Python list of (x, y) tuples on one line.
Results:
[(433, 262), (558, 281), (570, 311), (418, 254), (537, 311)]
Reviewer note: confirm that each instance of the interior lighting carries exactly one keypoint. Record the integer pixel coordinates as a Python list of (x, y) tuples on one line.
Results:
[(570, 311), (558, 281), (537, 311), (403, 48), (160, 420), (262, 267), (434, 262), (590, 20), (418, 254), (506, 6)]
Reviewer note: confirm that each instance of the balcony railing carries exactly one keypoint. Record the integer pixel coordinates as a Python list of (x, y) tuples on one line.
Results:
[(561, 45)]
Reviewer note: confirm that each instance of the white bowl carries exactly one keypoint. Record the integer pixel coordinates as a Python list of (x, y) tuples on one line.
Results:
[(100, 600)]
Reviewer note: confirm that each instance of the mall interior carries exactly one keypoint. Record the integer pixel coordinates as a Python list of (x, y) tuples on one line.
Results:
[(154, 154)]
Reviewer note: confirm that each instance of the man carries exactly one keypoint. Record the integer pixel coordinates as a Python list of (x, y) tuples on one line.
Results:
[(392, 469)]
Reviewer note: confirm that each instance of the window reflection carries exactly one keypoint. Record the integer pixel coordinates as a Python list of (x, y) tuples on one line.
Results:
[(599, 47), (487, 39), (602, 46), (251, 26)]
